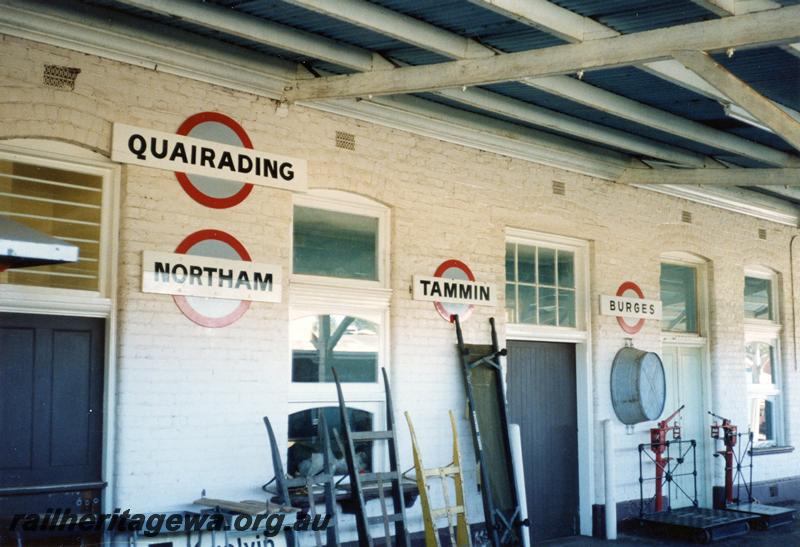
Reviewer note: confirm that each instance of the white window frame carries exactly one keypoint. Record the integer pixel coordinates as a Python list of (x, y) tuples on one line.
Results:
[(316, 295), (767, 331), (343, 202), (689, 260), (58, 301), (579, 248)]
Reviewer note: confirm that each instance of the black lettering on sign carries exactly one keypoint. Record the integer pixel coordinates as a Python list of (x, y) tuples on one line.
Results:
[(210, 271), (270, 168), (184, 272), (163, 269), (207, 157), (450, 290), (137, 146), (178, 151), (160, 154), (263, 282), (436, 290), (194, 275), (287, 173), (243, 279), (652, 309), (612, 305), (465, 291), (223, 276), (484, 293), (226, 160), (627, 307), (425, 284), (245, 164)]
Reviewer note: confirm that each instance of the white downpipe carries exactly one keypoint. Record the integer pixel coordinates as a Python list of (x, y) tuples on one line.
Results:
[(519, 479), (610, 479)]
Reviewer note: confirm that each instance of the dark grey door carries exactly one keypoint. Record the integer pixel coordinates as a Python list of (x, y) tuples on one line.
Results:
[(542, 400), (51, 412)]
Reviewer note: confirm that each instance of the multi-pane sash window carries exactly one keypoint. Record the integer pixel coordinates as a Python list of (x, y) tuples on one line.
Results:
[(762, 357), (540, 285)]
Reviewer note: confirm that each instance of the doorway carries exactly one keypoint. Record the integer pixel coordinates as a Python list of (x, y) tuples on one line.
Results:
[(542, 399), (683, 368), (51, 413)]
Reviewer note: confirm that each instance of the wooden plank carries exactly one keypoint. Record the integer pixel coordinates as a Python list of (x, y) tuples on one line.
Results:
[(774, 26), (742, 94), (714, 177), (245, 507)]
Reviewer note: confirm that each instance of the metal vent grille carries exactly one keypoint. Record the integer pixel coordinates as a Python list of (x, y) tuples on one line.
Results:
[(686, 217), (762, 233), (346, 141), (559, 188), (61, 77)]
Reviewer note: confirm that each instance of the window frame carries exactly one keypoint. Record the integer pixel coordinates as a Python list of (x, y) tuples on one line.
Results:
[(768, 331), (342, 202), (316, 295), (580, 250), (62, 301), (376, 408), (699, 278)]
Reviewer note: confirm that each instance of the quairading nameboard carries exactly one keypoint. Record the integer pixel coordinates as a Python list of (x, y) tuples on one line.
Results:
[(211, 278), (208, 153), (453, 290)]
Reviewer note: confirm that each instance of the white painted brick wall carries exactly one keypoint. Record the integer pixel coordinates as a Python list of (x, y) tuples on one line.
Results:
[(190, 399)]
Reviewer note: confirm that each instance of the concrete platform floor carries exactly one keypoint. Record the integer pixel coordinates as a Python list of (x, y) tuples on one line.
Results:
[(783, 536)]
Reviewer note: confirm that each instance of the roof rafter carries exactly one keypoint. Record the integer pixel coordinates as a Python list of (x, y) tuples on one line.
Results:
[(384, 21), (716, 176), (266, 32), (398, 26), (742, 94), (550, 18), (774, 26)]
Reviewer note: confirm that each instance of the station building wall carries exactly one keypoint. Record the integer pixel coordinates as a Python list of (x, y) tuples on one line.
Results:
[(189, 400)]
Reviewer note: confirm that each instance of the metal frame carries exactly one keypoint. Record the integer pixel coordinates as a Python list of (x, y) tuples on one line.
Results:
[(393, 475), (502, 528), (326, 478)]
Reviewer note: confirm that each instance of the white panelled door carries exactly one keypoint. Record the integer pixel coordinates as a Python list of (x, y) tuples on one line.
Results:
[(683, 367)]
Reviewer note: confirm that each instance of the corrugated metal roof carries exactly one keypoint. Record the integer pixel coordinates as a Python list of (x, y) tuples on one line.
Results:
[(770, 70), (627, 16)]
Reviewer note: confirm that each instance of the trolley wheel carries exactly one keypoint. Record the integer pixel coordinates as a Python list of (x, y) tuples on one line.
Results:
[(702, 536)]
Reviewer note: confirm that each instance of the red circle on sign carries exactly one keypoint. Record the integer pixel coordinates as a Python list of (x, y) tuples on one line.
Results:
[(636, 327), (181, 301), (194, 192), (443, 267)]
